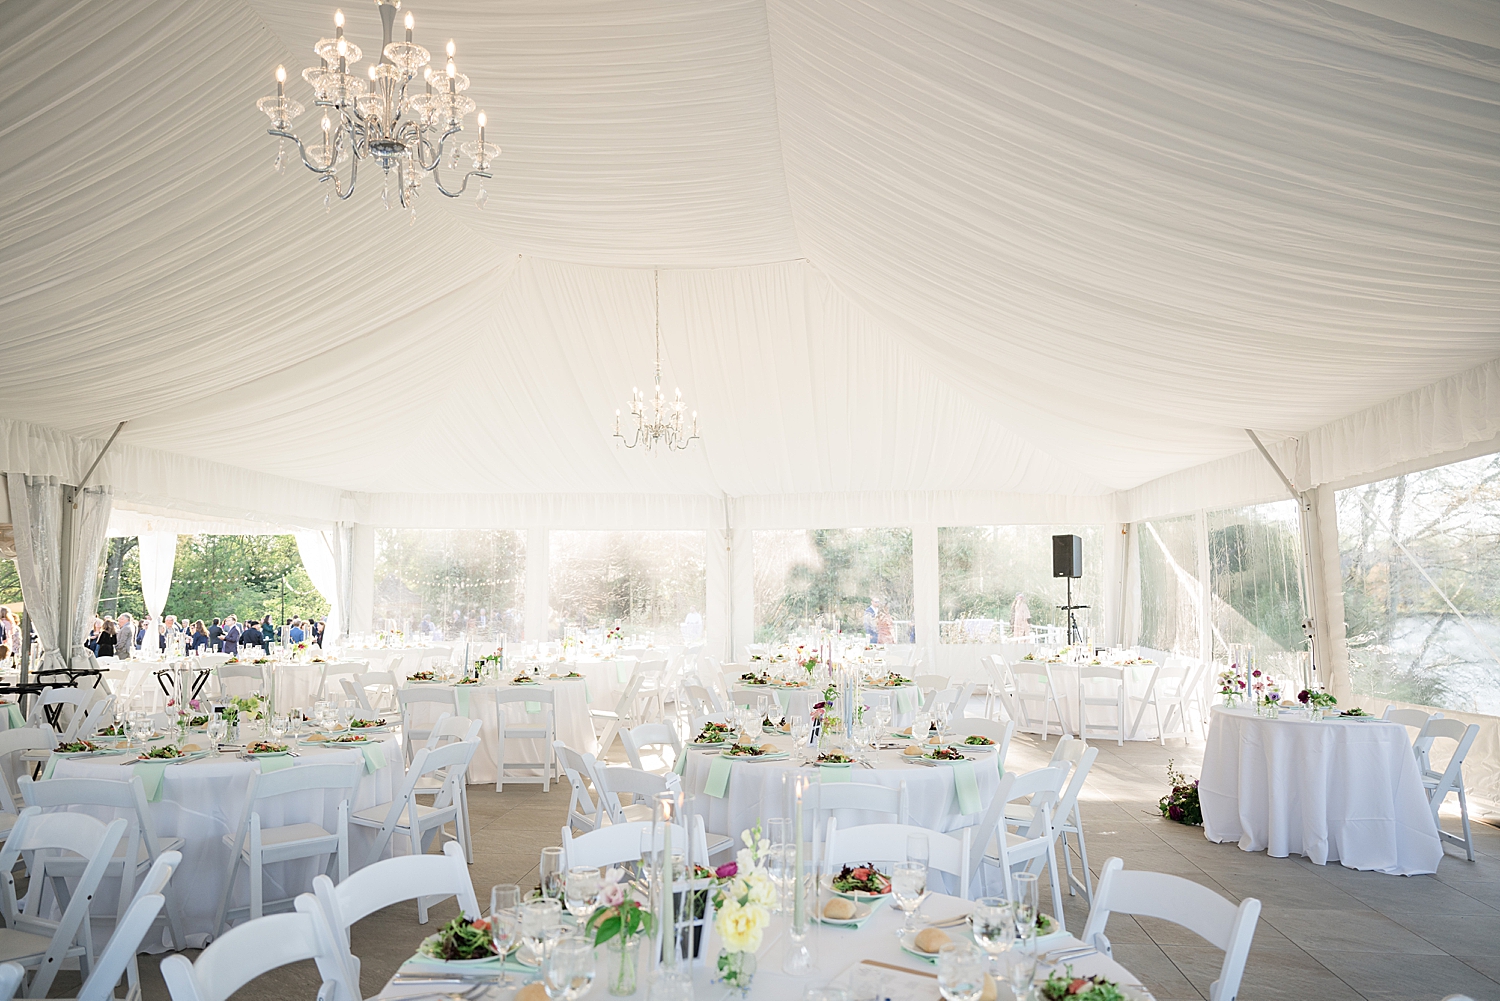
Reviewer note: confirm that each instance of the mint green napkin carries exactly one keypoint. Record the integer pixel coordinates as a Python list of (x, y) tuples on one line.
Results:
[(965, 787), (275, 764), (622, 671), (13, 713), (374, 758), (151, 773), (461, 699), (835, 772), (51, 764), (718, 777), (681, 766), (533, 707), (906, 700)]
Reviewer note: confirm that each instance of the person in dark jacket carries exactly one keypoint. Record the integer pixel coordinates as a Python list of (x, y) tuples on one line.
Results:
[(251, 637), (105, 641), (216, 636), (231, 635), (198, 638)]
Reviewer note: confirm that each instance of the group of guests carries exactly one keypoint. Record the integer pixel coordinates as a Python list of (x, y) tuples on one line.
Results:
[(124, 636)]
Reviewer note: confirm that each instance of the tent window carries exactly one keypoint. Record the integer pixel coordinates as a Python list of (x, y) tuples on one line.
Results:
[(1421, 560), (649, 583), (1253, 555), (995, 579), (1171, 597), (450, 583), (854, 579)]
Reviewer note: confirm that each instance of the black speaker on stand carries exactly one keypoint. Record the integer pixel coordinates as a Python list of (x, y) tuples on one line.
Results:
[(1067, 561)]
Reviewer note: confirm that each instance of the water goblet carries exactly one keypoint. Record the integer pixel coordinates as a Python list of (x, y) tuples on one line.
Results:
[(216, 728), (908, 887), (581, 892), (960, 972), (551, 873), (918, 848), (505, 928), (993, 923), (568, 971), (538, 919)]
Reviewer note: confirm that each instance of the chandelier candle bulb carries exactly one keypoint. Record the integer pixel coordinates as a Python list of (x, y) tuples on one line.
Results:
[(410, 23), (481, 128), (338, 23), (280, 82)]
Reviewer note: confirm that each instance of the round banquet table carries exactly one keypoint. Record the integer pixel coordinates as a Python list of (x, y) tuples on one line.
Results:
[(202, 800), (379, 658), (1137, 678), (606, 678), (1334, 790), (868, 961), (754, 786), (573, 725)]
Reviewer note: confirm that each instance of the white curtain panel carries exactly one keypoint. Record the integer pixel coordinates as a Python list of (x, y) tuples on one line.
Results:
[(158, 558), (90, 528), (317, 552), (36, 513)]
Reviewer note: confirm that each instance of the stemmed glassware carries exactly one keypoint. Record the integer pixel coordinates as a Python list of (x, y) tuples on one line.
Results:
[(960, 970), (581, 892), (1023, 956), (994, 925), (505, 921), (779, 830), (801, 729), (551, 872), (908, 887), (568, 971), (216, 729), (541, 925)]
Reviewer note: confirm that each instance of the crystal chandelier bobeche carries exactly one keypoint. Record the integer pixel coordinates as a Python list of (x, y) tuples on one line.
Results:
[(375, 120), (657, 422)]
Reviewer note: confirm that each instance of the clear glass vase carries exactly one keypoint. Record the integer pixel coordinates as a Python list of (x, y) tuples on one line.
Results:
[(736, 970), (621, 964)]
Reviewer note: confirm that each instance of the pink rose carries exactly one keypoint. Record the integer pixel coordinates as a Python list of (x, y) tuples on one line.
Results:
[(611, 895), (728, 870)]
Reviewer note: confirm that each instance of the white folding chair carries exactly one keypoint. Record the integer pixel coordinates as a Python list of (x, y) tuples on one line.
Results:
[(447, 730), (1067, 817), (117, 958), (628, 843), (931, 682), (410, 699), (652, 671), (585, 812), (621, 716), (419, 823), (11, 975), (540, 725), (36, 942), (1000, 733), (141, 845), (379, 690), (1226, 926), (255, 845), (1166, 689), (641, 787), (228, 676), (1440, 784), (257, 947), (336, 672), (852, 802), (1091, 679), (1414, 719), (662, 736), (1002, 685), (427, 879), (71, 703), (701, 699), (1034, 686), (38, 742), (1032, 844), (947, 853)]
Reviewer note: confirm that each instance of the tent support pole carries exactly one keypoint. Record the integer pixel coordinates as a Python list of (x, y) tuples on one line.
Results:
[(102, 452), (1311, 593)]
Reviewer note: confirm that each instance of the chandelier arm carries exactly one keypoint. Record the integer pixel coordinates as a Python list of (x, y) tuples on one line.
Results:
[(454, 194), (333, 176), (437, 150), (302, 150)]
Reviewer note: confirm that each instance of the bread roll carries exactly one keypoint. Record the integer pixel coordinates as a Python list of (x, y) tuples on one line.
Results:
[(912, 752), (531, 992), (932, 939), (934, 739), (907, 731), (991, 991), (839, 909), (768, 748)]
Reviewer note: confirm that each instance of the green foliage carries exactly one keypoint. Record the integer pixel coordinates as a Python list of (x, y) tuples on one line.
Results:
[(829, 583), (645, 580), (243, 575), (983, 568), (433, 573)]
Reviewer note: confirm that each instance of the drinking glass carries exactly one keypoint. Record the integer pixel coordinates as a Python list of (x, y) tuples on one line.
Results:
[(581, 892), (961, 972), (1023, 956), (918, 849), (279, 727), (779, 830), (552, 872), (762, 706), (505, 898), (539, 918), (216, 729), (994, 926), (801, 728), (908, 887), (505, 928), (568, 971)]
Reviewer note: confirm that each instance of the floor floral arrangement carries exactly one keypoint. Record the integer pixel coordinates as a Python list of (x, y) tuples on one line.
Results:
[(1181, 803)]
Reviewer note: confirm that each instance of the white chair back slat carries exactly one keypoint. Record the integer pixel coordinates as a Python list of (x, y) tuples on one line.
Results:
[(947, 853), (254, 948)]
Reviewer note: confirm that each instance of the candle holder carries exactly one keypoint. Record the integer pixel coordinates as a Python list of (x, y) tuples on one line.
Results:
[(671, 977), (798, 959)]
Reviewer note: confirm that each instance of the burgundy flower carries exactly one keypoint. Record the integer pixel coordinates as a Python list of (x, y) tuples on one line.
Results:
[(728, 870)]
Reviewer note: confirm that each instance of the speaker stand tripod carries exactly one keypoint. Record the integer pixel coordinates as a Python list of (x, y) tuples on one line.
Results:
[(1074, 633)]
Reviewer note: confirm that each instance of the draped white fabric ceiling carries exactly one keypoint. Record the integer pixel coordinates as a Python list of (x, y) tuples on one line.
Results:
[(1039, 247)]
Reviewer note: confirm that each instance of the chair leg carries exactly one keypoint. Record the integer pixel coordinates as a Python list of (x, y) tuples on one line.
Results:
[(1067, 861), (1463, 809)]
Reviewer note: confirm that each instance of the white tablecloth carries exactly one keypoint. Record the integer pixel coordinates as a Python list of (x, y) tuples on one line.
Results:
[(835, 951), (203, 800), (1065, 683), (1333, 791), (573, 724), (755, 787), (379, 658)]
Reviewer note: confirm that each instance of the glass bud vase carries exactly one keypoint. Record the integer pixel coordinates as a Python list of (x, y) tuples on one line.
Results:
[(622, 960), (736, 970)]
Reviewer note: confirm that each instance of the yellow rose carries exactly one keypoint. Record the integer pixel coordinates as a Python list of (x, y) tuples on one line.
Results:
[(760, 889), (740, 928)]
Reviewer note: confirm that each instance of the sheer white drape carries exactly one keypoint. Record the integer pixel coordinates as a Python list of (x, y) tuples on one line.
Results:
[(90, 524), (321, 564), (36, 513), (158, 557)]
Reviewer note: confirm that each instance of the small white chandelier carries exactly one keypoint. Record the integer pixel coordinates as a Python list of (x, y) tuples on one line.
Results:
[(376, 120), (657, 422)]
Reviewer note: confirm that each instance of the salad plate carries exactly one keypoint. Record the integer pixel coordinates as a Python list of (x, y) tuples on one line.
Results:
[(861, 882), (749, 756), (863, 908)]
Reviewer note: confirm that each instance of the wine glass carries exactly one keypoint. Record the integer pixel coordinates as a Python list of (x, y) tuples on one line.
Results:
[(581, 892), (780, 863), (551, 872), (538, 918), (279, 726), (568, 971), (1023, 956), (960, 969), (908, 887), (504, 930), (994, 925), (918, 849), (801, 728), (216, 729)]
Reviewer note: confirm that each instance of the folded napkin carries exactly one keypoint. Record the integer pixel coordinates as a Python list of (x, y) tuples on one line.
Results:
[(906, 699), (965, 787), (834, 772), (13, 713), (461, 699), (533, 707), (51, 764), (275, 764), (681, 765), (151, 773), (718, 777), (374, 758)]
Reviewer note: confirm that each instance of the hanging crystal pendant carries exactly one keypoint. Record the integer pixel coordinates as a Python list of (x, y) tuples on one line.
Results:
[(482, 198), (413, 215), (385, 192), (328, 203), (280, 165)]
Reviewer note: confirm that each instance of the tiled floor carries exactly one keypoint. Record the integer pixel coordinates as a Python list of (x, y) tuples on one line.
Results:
[(1326, 933)]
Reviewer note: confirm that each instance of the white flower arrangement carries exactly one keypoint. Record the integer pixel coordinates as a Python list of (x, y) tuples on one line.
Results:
[(743, 902)]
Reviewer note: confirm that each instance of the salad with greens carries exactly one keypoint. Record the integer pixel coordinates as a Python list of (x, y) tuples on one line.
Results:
[(978, 740), (77, 747), (1066, 987), (715, 733), (164, 753), (862, 879), (461, 939)]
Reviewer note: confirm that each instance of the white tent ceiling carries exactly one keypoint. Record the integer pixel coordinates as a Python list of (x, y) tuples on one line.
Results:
[(1036, 247)]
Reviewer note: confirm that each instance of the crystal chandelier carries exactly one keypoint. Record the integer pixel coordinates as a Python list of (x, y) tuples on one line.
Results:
[(385, 118), (656, 422)]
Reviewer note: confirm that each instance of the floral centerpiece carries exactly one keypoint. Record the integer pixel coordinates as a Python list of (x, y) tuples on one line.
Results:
[(1231, 686), (1316, 700), (618, 924), (743, 903), (1181, 804), (615, 635)]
